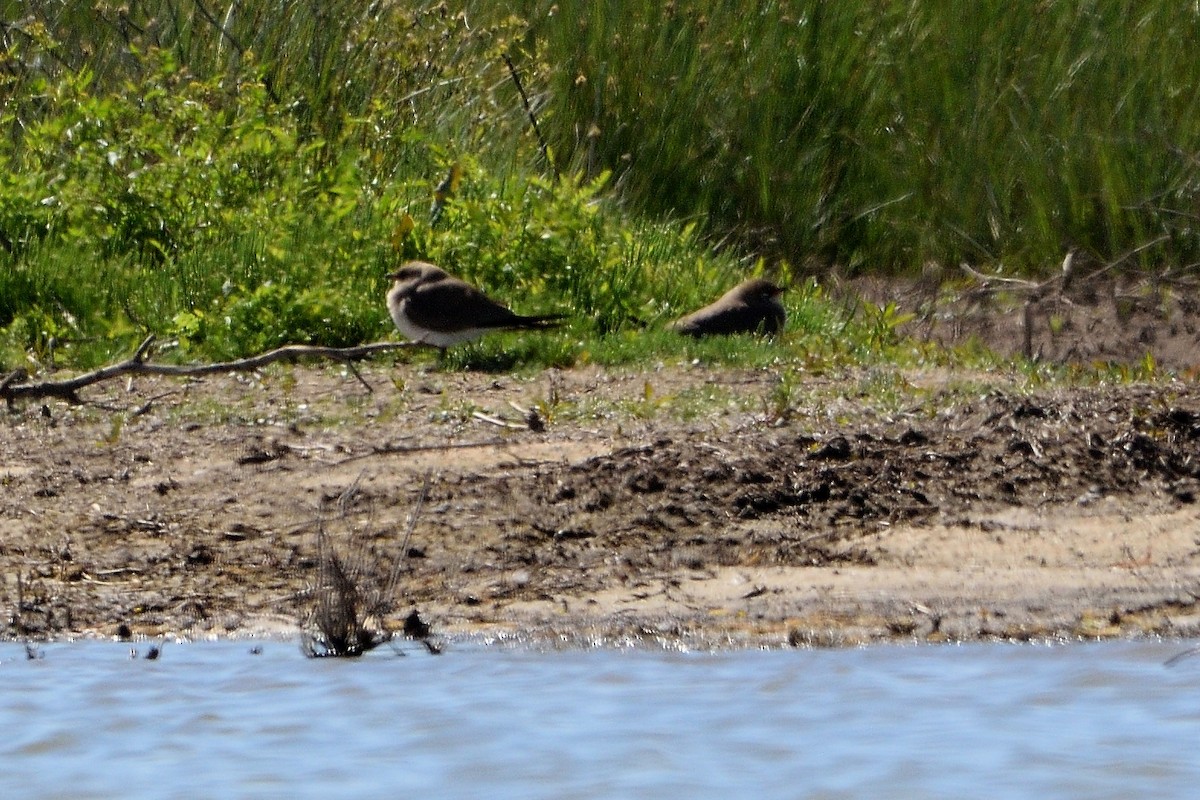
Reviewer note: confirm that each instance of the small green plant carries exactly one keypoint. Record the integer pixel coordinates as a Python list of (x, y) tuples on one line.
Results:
[(779, 402)]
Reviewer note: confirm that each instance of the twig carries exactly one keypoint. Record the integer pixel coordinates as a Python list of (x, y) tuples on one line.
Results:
[(1175, 659), (1027, 329), (1018, 283), (145, 407), (68, 389), (267, 83), (512, 70), (18, 374), (500, 423), (413, 516), (404, 449), (1126, 255), (225, 34)]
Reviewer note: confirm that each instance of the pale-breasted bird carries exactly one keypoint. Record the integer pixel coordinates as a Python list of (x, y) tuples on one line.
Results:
[(431, 306)]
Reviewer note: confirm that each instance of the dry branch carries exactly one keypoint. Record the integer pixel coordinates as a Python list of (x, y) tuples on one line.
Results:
[(1055, 286), (14, 387)]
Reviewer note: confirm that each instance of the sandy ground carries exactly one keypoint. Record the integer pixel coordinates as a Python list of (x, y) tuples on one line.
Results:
[(684, 506)]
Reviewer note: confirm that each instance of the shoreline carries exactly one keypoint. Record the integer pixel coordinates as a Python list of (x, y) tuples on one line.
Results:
[(991, 515)]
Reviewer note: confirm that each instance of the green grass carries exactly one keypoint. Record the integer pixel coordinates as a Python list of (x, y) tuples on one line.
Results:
[(879, 136), (241, 181)]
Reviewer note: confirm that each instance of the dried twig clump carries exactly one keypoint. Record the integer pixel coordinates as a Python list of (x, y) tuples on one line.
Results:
[(352, 597), (30, 602), (343, 622)]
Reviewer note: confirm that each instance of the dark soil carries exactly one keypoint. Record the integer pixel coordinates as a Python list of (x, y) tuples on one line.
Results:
[(192, 509)]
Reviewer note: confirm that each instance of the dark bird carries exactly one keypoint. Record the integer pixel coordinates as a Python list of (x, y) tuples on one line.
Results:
[(431, 306), (752, 306)]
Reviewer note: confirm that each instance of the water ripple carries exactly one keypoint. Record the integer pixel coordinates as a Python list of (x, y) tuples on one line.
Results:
[(210, 720)]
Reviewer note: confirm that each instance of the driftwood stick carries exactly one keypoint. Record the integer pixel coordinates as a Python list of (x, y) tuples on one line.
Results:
[(13, 388)]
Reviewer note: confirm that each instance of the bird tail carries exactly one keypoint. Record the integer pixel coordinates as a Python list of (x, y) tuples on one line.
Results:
[(542, 322)]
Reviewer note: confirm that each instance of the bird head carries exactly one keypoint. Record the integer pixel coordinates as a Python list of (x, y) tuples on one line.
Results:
[(759, 289), (412, 274)]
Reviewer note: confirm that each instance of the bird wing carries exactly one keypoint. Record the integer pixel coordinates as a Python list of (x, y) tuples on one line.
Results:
[(717, 319), (731, 316), (449, 305)]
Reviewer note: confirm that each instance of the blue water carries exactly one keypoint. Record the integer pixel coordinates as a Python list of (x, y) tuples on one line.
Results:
[(214, 720)]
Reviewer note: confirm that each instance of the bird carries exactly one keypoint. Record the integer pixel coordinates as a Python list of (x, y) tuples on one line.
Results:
[(432, 307), (752, 306)]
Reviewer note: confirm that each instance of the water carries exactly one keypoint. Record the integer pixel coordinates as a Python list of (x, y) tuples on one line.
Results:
[(215, 720)]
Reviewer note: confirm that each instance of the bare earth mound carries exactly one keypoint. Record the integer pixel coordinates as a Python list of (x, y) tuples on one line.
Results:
[(191, 508)]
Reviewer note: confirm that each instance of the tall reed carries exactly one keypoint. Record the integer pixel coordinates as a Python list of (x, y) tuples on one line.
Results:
[(881, 135)]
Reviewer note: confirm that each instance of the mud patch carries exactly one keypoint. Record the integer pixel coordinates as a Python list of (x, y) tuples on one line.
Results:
[(994, 515)]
